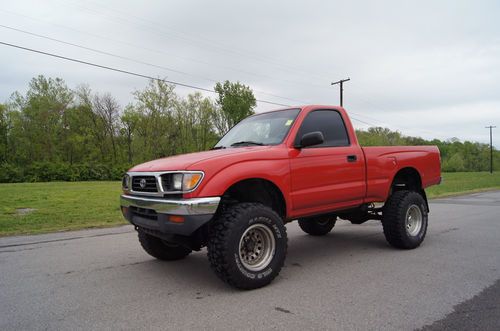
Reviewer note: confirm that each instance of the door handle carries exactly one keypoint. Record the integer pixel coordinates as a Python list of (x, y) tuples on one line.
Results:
[(352, 158)]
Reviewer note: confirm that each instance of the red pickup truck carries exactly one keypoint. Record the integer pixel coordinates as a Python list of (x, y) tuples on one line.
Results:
[(270, 169)]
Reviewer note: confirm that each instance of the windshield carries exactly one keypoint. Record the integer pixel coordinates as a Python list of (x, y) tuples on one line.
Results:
[(264, 129)]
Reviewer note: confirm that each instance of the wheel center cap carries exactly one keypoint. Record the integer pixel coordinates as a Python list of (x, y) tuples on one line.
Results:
[(250, 246)]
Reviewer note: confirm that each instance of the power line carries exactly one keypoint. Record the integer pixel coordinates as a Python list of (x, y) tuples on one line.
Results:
[(123, 17), (142, 75), (103, 52), (160, 31), (125, 71), (159, 52), (132, 60), (100, 36), (174, 70), (418, 131), (190, 59), (361, 121)]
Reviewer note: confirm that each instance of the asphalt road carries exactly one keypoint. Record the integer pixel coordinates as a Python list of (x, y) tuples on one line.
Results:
[(350, 279)]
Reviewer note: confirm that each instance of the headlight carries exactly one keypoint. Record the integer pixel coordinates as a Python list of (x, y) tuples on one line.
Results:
[(126, 182), (181, 182), (177, 182)]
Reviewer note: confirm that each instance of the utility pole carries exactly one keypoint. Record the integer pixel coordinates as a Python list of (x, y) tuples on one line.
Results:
[(341, 82), (491, 127)]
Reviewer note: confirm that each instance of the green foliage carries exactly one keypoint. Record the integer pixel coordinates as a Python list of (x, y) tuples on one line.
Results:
[(455, 155), (454, 164), (42, 118), (49, 171), (53, 133), (464, 182), (58, 206), (10, 173), (193, 119), (156, 105), (4, 128), (235, 101)]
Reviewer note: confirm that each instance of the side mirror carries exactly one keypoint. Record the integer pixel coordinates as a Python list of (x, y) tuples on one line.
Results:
[(311, 139)]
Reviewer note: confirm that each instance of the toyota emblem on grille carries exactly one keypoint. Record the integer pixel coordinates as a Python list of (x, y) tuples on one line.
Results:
[(142, 183)]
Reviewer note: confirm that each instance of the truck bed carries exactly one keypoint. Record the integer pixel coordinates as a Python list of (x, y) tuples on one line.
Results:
[(383, 162)]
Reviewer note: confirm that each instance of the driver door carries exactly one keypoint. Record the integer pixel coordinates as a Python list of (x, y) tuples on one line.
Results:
[(328, 176)]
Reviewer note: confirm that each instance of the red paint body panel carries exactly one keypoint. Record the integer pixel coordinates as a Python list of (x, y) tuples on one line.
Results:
[(384, 162), (312, 180)]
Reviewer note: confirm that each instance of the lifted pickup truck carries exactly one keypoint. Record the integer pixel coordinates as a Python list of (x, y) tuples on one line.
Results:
[(302, 164)]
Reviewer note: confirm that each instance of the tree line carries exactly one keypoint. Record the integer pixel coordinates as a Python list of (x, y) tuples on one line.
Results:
[(456, 156), (53, 132)]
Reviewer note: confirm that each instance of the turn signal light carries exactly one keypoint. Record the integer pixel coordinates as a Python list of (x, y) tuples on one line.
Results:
[(176, 219), (190, 181)]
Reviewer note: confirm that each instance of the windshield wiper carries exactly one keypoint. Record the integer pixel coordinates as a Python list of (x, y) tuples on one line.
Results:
[(247, 143), (217, 147)]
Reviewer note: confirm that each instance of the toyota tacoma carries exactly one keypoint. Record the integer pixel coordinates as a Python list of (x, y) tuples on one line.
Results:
[(300, 164)]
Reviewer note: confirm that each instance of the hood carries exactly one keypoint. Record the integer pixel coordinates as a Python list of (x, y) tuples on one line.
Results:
[(196, 161)]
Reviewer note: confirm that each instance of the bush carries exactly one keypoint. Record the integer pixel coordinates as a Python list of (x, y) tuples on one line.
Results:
[(47, 171), (454, 164), (10, 173)]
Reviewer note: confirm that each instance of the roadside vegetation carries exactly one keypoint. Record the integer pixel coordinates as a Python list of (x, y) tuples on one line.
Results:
[(30, 208), (56, 133), (82, 141), (464, 182)]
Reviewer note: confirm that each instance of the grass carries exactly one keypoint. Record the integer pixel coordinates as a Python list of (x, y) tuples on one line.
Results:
[(455, 183), (62, 206), (58, 206)]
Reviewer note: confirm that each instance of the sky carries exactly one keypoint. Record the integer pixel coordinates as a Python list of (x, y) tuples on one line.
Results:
[(424, 68)]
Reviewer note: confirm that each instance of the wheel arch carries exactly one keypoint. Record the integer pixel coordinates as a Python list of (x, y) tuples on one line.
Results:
[(259, 190), (408, 178)]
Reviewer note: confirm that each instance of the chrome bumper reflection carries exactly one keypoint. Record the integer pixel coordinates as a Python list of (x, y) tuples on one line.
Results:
[(195, 206)]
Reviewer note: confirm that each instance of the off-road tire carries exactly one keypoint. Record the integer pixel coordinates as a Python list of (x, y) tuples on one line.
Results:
[(394, 220), (317, 226), (161, 250), (226, 236)]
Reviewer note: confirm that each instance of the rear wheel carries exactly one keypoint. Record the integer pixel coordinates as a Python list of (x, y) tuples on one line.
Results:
[(405, 219), (160, 249), (317, 226)]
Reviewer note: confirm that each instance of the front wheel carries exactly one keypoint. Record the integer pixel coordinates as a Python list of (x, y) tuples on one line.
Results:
[(247, 245), (405, 219)]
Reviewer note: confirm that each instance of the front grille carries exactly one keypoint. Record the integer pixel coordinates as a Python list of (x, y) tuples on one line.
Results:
[(149, 184), (144, 213)]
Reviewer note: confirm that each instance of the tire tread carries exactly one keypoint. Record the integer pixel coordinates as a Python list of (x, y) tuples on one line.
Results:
[(218, 245), (394, 218), (156, 248), (310, 225)]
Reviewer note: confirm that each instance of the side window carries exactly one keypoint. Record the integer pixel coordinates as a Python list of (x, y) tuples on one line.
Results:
[(330, 123)]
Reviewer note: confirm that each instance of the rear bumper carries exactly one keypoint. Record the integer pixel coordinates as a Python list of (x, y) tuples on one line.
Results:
[(154, 214)]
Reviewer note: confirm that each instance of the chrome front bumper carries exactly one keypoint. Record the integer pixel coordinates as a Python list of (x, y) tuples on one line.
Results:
[(184, 207)]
